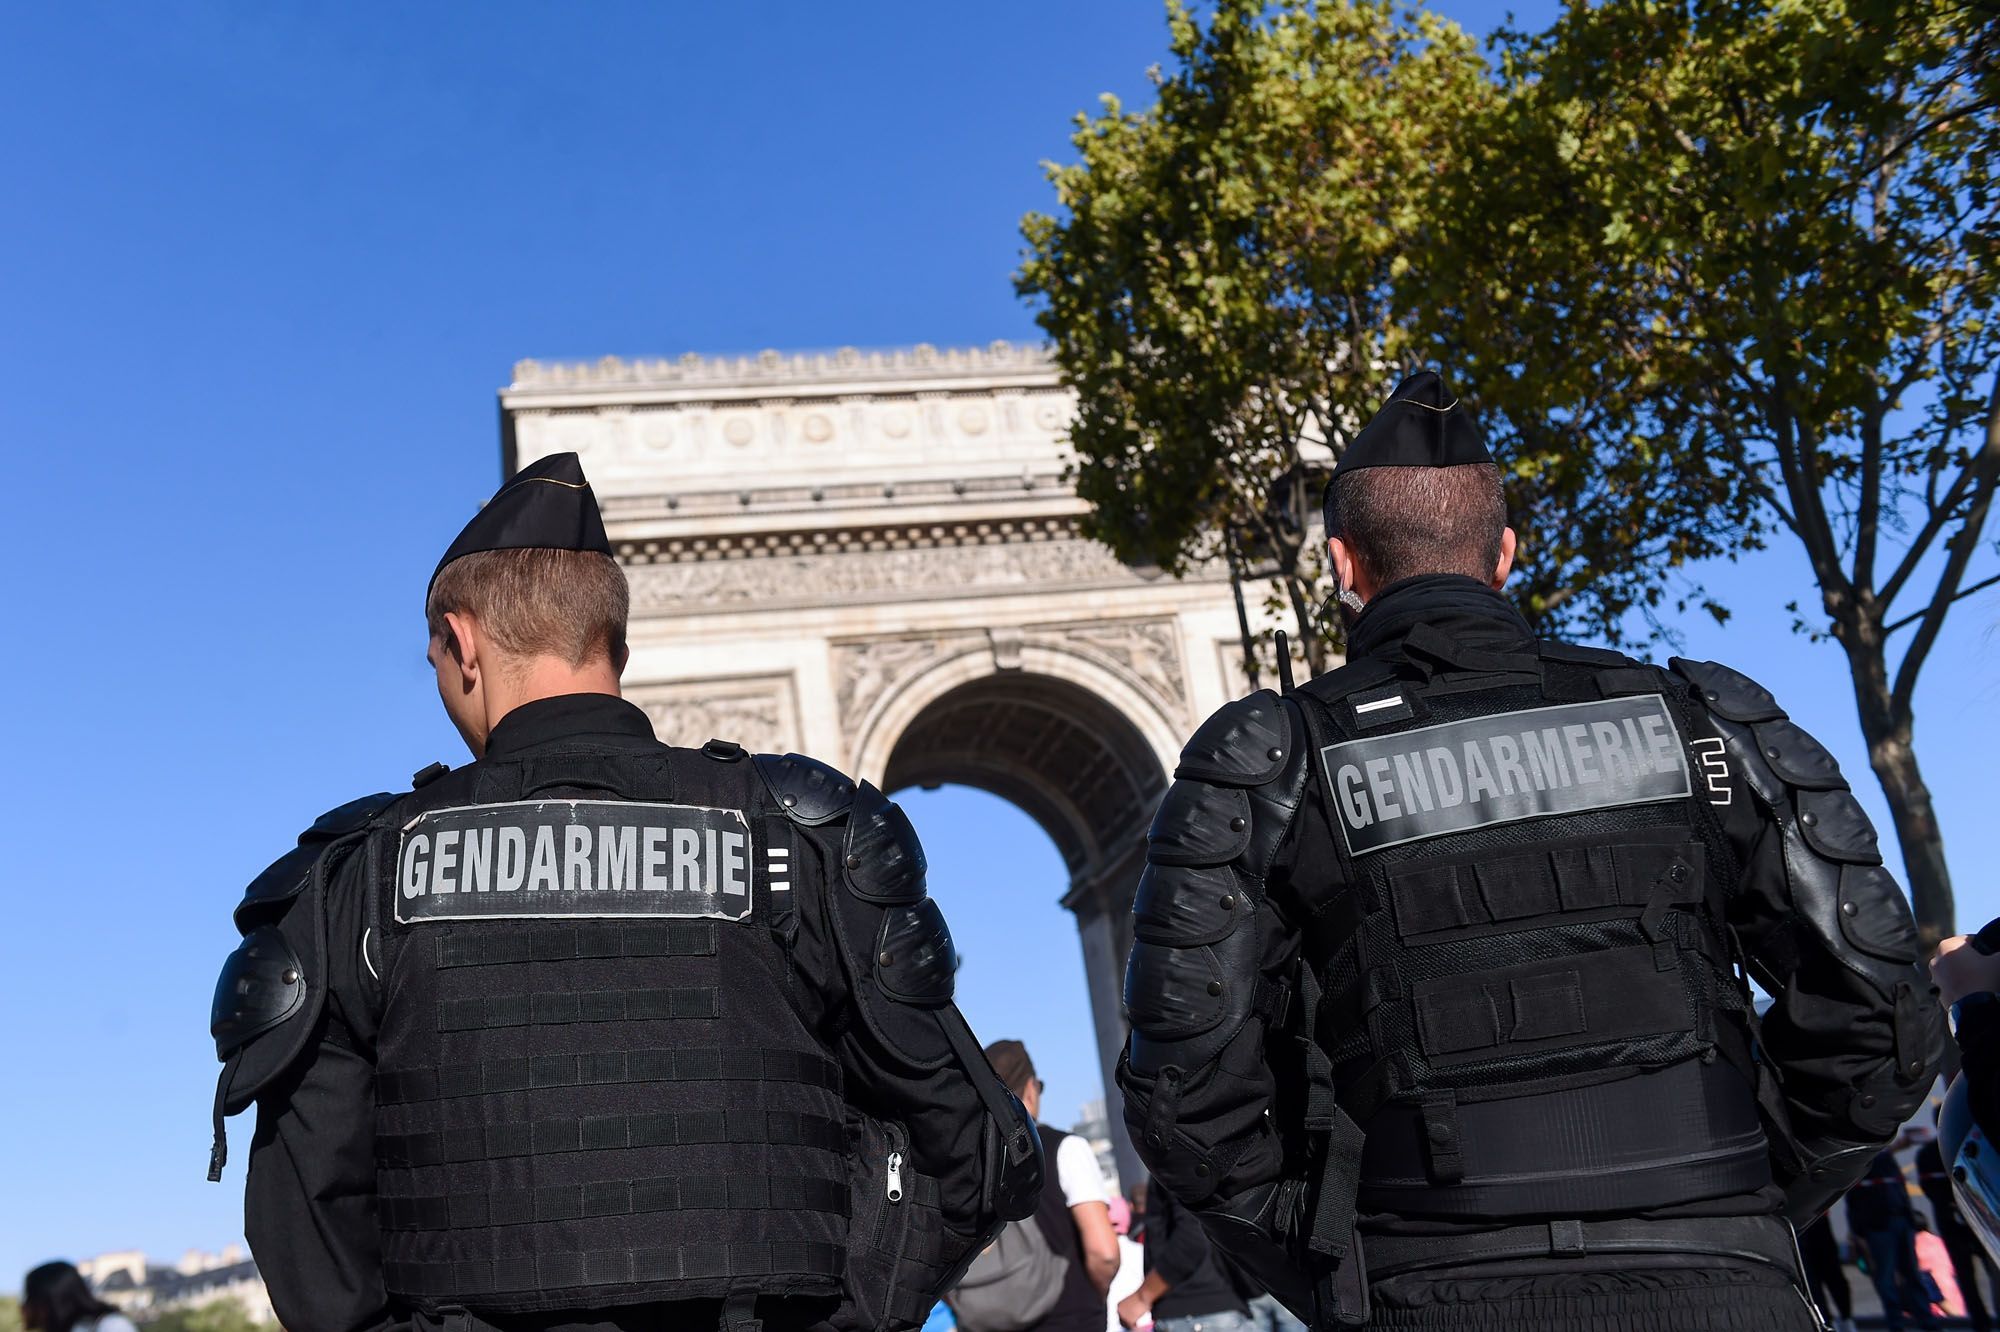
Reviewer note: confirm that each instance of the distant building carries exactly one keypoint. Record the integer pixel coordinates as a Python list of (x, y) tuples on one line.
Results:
[(145, 1290), (1093, 1125)]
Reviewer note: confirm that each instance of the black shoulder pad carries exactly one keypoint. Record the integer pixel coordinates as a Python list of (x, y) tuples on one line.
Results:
[(286, 876), (346, 818), (1199, 824), (1243, 744), (260, 986), (915, 962), (884, 860), (1798, 759), (810, 792), (1729, 693), (1580, 655), (1835, 826), (280, 882)]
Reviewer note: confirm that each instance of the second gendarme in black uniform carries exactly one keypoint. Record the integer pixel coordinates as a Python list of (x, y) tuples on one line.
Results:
[(1437, 1001), (597, 1033)]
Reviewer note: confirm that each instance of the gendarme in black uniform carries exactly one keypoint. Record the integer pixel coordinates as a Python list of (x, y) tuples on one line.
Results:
[(601, 1033), (1465, 916)]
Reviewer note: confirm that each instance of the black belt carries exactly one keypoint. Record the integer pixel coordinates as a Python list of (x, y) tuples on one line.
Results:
[(1762, 1239)]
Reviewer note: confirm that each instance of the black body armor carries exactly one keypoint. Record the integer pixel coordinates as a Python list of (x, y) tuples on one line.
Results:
[(577, 1109), (645, 1027), (1441, 961)]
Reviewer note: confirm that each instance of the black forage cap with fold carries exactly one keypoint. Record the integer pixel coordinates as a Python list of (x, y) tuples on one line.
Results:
[(547, 505), (1421, 425)]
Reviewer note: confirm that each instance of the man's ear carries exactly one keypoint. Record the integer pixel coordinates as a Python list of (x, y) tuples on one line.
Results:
[(619, 656), (462, 641), (1508, 542), (1344, 563)]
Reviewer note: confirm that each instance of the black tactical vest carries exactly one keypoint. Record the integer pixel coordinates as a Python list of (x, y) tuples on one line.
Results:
[(594, 1087), (1527, 989)]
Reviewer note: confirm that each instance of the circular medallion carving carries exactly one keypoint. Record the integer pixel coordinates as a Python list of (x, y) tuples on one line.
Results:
[(739, 431), (818, 429), (896, 424), (972, 420)]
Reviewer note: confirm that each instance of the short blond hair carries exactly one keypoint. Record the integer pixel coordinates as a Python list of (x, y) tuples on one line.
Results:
[(536, 602)]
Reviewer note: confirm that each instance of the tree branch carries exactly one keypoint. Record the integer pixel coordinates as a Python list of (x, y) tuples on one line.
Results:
[(1960, 595), (1962, 548)]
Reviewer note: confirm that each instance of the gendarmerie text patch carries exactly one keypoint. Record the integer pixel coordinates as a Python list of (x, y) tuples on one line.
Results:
[(1461, 775), (539, 858)]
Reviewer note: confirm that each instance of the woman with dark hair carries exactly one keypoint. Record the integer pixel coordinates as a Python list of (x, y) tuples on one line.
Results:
[(55, 1298)]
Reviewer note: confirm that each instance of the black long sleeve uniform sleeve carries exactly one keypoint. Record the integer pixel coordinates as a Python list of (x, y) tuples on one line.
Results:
[(309, 1204)]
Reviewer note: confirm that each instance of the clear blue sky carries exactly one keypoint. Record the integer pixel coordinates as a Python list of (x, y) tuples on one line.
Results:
[(264, 267)]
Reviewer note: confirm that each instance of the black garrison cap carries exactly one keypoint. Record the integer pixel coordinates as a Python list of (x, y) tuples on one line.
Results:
[(547, 505), (1421, 425)]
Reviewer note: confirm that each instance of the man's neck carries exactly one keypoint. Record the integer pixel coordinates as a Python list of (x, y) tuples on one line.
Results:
[(547, 677)]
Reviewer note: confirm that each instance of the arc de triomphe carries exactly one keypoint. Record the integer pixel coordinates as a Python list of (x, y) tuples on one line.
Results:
[(874, 558)]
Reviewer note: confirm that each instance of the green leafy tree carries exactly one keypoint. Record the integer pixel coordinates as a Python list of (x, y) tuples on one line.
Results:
[(1756, 241), (1218, 287)]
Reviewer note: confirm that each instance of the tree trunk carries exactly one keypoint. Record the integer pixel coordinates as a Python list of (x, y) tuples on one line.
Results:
[(1892, 753)]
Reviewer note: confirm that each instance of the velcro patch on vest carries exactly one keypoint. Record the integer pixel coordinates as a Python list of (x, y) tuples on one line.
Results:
[(537, 859), (1457, 776)]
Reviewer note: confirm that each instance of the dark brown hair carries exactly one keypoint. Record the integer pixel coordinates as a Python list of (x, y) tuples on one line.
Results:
[(570, 604), (1405, 521)]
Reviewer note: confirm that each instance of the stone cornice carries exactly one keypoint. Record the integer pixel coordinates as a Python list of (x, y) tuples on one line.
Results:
[(775, 370)]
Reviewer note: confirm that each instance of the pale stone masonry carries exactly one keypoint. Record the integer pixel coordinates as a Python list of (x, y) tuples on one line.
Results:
[(874, 557)]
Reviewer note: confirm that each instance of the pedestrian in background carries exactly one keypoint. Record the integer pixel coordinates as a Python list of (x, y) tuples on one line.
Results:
[(1968, 1260), (1826, 1275), (1189, 1287), (1880, 1216), (56, 1298), (1074, 1212)]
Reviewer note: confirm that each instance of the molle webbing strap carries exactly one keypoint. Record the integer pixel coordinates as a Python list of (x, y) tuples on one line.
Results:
[(544, 1137), (566, 943), (476, 1209), (1617, 994), (619, 1267), (687, 1064), (562, 1008), (1432, 898), (1647, 1139)]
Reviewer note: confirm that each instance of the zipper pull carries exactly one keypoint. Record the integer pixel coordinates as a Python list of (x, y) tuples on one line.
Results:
[(895, 1177)]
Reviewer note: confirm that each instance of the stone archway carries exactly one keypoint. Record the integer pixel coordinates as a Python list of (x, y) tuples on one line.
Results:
[(876, 559)]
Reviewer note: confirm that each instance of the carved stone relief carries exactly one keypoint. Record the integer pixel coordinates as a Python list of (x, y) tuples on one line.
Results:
[(770, 582), (759, 713)]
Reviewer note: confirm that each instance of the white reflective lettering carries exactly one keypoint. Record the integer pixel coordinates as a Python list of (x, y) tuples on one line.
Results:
[(1663, 741), (415, 876), (1382, 789), (1507, 760), (542, 874), (1353, 805), (1444, 776), (708, 861), (654, 876), (1611, 749), (1410, 780), (687, 858), (1578, 740), (576, 859), (446, 861), (617, 856), (1546, 763), (478, 851), (1479, 783), (734, 856), (513, 857)]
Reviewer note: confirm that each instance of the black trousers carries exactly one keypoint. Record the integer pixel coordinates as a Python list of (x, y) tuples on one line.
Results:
[(1825, 1273)]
